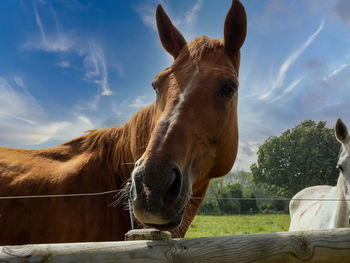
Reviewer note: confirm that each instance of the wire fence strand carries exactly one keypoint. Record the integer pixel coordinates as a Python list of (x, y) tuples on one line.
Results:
[(270, 199), (58, 195), (194, 197)]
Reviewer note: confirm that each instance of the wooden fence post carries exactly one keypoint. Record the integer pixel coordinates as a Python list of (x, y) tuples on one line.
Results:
[(147, 234)]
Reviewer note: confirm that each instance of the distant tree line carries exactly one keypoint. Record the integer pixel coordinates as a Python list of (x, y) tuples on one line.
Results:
[(220, 198), (298, 158)]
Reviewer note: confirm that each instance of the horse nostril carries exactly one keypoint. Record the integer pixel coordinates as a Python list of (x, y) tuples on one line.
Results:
[(174, 187)]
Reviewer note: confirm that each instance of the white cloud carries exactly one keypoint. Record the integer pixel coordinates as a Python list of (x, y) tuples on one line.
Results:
[(247, 148), (19, 81), (335, 72), (64, 130), (38, 21), (96, 69), (22, 119), (246, 155), (192, 14), (91, 52), (185, 21), (140, 101), (25, 135), (63, 64), (288, 89), (278, 81), (148, 14), (53, 42), (91, 104), (18, 105)]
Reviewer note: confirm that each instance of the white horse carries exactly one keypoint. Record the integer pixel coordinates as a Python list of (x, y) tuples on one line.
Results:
[(316, 215)]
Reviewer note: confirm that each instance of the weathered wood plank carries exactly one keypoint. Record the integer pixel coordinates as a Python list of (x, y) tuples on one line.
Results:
[(147, 234), (309, 246)]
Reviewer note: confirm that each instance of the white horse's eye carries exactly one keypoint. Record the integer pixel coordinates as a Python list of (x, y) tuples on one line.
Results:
[(340, 168)]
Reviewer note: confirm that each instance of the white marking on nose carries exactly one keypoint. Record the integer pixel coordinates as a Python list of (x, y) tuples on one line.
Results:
[(146, 190)]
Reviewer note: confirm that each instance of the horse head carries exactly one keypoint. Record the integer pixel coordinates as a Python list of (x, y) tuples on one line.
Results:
[(195, 133), (343, 165)]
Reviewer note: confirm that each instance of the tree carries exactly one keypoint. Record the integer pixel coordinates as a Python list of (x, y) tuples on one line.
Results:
[(222, 192), (221, 195), (230, 206), (244, 178), (210, 202), (249, 205), (301, 157)]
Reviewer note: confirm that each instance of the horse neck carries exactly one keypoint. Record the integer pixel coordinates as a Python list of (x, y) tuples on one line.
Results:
[(120, 147)]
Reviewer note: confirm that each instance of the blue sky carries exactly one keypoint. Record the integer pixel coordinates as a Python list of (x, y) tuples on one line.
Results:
[(70, 65)]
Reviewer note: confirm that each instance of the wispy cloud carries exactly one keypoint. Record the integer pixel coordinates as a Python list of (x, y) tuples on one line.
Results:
[(147, 14), (25, 134), (91, 104), (96, 69), (140, 101), (246, 149), (56, 41), (63, 64), (336, 71), (22, 118), (38, 21), (17, 104), (278, 82), (52, 42), (192, 14), (288, 89), (19, 81), (185, 21)]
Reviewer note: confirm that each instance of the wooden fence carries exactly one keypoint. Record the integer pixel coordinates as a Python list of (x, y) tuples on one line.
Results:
[(309, 246)]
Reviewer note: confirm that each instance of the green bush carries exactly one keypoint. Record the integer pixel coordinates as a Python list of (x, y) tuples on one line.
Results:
[(249, 206), (223, 203)]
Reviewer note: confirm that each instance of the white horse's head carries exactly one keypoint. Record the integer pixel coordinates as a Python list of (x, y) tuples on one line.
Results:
[(342, 135)]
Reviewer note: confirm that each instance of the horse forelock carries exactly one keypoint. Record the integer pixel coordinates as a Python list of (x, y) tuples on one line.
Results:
[(195, 50)]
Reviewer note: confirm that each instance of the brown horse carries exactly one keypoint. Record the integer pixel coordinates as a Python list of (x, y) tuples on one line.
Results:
[(186, 137)]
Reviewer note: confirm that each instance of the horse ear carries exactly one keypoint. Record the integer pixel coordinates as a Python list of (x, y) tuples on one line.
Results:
[(341, 132), (171, 38), (235, 27)]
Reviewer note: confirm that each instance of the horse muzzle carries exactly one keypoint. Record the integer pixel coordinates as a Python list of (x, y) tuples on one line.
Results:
[(156, 194)]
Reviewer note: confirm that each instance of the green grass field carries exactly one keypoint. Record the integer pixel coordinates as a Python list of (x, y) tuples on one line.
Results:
[(203, 226)]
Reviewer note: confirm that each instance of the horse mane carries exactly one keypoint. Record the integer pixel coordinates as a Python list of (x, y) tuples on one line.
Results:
[(119, 146), (197, 49)]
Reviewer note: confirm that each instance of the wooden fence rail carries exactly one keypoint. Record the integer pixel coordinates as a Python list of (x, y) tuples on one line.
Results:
[(309, 246)]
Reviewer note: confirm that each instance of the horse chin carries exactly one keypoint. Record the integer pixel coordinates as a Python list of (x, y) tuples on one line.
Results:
[(174, 223)]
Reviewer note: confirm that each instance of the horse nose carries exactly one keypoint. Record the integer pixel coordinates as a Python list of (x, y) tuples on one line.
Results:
[(173, 187), (158, 184), (155, 193)]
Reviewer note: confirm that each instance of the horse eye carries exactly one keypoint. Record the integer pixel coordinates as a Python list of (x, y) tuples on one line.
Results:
[(227, 91)]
